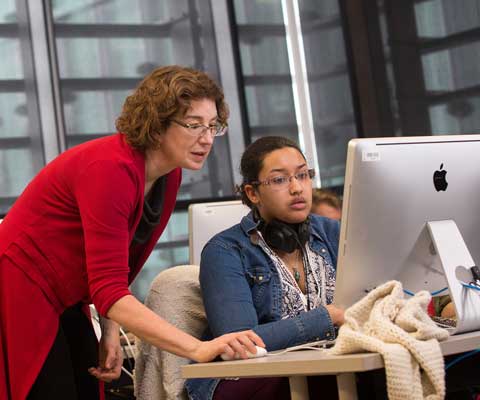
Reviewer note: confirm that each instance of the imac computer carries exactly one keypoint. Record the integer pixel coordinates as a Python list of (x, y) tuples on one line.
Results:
[(411, 212)]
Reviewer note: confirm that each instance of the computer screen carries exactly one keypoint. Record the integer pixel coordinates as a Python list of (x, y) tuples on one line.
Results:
[(393, 187), (207, 219)]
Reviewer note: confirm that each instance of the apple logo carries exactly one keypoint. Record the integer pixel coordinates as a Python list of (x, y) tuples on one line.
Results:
[(439, 180)]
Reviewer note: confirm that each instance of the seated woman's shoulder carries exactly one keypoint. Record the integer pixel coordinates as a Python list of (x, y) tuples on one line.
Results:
[(321, 220), (325, 226), (232, 234)]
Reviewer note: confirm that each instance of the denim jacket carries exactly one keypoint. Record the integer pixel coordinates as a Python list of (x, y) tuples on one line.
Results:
[(242, 290)]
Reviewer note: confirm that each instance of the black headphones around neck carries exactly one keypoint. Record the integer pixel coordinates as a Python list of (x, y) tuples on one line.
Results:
[(284, 236)]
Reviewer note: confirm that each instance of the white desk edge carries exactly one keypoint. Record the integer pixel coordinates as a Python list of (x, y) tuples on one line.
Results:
[(298, 365)]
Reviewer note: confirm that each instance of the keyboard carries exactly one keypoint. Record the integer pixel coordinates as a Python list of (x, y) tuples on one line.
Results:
[(444, 322)]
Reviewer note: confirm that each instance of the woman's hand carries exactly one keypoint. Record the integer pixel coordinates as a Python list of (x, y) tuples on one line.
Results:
[(337, 315), (110, 356), (231, 343)]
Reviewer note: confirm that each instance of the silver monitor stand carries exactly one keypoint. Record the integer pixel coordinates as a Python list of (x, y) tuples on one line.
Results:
[(456, 262)]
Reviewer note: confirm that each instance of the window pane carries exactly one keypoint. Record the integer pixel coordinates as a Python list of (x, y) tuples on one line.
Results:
[(172, 250), (266, 73), (458, 115), (117, 11), (258, 12), (447, 69), (105, 48), (431, 55), (270, 105), (442, 18), (122, 57), (17, 170), (21, 154), (329, 86), (268, 82)]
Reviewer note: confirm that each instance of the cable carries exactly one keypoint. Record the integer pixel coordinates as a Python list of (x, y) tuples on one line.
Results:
[(464, 284), (126, 357), (434, 293), (460, 358), (306, 269), (439, 291), (97, 320), (128, 342), (470, 286), (320, 345), (127, 372), (132, 353)]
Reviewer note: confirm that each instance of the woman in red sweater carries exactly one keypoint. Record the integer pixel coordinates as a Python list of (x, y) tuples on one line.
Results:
[(81, 231)]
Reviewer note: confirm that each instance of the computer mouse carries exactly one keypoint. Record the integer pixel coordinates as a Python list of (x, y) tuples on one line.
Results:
[(261, 352)]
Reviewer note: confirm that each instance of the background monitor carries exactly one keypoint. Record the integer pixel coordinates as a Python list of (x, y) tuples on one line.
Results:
[(207, 219), (393, 187)]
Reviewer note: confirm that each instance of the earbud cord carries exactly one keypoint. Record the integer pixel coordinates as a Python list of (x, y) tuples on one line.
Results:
[(305, 262)]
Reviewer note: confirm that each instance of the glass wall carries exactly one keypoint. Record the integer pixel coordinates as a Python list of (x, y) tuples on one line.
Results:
[(431, 55), (94, 53), (269, 88), (21, 154), (264, 68), (424, 71), (329, 84), (103, 50), (171, 250)]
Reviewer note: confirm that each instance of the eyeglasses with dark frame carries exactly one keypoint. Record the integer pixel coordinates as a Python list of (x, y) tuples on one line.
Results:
[(282, 182), (200, 130)]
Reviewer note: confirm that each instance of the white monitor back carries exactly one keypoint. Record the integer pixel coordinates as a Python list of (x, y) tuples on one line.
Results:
[(207, 219), (389, 196)]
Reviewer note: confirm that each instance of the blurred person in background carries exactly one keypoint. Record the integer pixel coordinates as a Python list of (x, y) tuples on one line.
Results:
[(326, 203)]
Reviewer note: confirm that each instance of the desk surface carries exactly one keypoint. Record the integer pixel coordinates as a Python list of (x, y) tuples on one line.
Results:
[(312, 362)]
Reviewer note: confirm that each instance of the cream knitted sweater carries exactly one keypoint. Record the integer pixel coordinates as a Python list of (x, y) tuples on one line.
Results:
[(403, 333)]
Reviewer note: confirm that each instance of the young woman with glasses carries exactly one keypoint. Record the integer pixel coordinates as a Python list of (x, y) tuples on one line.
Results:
[(274, 272), (82, 230)]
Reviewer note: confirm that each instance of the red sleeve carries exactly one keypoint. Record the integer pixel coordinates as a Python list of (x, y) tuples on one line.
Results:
[(106, 191)]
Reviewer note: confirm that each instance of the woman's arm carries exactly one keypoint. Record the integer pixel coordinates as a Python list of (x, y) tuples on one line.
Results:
[(147, 325), (105, 192), (110, 357), (229, 305)]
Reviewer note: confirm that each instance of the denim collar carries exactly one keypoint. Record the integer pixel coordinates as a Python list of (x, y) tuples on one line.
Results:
[(249, 225)]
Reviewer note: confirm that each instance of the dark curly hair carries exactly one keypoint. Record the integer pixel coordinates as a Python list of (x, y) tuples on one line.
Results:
[(252, 160), (165, 93)]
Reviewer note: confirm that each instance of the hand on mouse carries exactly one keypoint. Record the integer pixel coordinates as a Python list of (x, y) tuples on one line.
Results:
[(230, 344)]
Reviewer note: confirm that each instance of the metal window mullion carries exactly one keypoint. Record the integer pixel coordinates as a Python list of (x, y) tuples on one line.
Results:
[(55, 68), (34, 140), (226, 64), (47, 62), (48, 85), (301, 93), (105, 66)]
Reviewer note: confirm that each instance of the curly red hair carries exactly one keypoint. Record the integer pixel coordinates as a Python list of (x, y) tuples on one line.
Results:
[(165, 93)]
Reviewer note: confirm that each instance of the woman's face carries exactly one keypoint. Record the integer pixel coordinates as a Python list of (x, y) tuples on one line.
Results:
[(291, 202), (180, 146)]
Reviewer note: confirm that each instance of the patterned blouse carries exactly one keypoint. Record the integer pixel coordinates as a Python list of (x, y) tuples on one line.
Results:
[(319, 287)]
